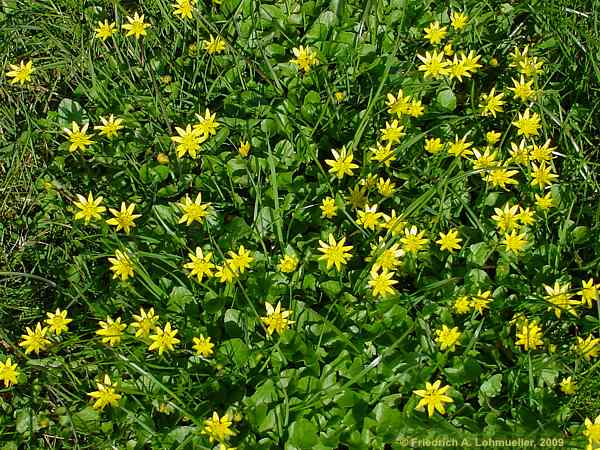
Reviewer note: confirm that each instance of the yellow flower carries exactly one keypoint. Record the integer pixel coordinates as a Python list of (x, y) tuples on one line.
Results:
[(592, 432), (111, 331), (20, 73), (203, 346), (162, 158), (304, 58), (460, 147), (527, 124), (35, 340), (121, 265), (193, 210), (544, 202), (462, 305), (357, 197), (369, 181), (433, 396), (515, 242), (486, 160), (8, 372), (109, 128), (416, 108), (433, 145), (491, 103), (276, 319), (542, 152), (244, 148), (530, 66), (342, 164), (501, 176), (369, 218), (588, 292), (530, 336), (386, 187), (568, 386), (218, 429), (207, 125), (214, 45), (105, 30), (90, 208), (58, 321), (413, 240), (542, 175), (386, 258), (136, 26), (288, 264), (383, 154), (447, 338), (79, 138), (124, 219), (392, 132), (449, 241), (340, 96), (588, 347), (470, 61), (434, 65), (200, 265), (188, 141), (526, 216), (434, 33), (399, 104), (241, 260), (492, 137), (458, 20), (448, 51), (335, 253), (225, 272), (328, 208), (183, 8), (520, 153), (458, 68), (163, 339), (105, 395), (522, 90), (381, 283), (481, 301), (144, 322), (560, 299)]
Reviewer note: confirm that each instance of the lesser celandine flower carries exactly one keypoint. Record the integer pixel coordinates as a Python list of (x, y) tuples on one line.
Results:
[(434, 33), (225, 272), (588, 292), (433, 145), (462, 305), (342, 164), (501, 177), (340, 96), (163, 339), (434, 65), (382, 282), (491, 103), (460, 147), (485, 160), (529, 335), (105, 30), (522, 90), (214, 45), (515, 241), (492, 137), (357, 197), (105, 395), (207, 125), (458, 20), (136, 26), (144, 322), (183, 8), (399, 104), (449, 241), (58, 321), (592, 432), (568, 386), (328, 208), (544, 201), (121, 265), (8, 372), (543, 152), (369, 218), (433, 397), (193, 211), (111, 330), (387, 258), (386, 187), (335, 253), (188, 141), (244, 148), (519, 153), (218, 428), (447, 338), (413, 240), (241, 260), (288, 264), (110, 127), (383, 154), (276, 319), (560, 298), (588, 347), (203, 346), (392, 132), (481, 301), (542, 175), (305, 58), (20, 73), (527, 124), (90, 207), (79, 139), (35, 340), (200, 265), (124, 219)]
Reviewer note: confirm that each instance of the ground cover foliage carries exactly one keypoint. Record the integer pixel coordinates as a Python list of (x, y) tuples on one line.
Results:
[(300, 225)]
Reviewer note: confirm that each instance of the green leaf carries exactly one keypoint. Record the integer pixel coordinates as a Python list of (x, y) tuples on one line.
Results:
[(447, 99), (303, 434), (179, 297), (70, 111), (235, 350), (491, 387)]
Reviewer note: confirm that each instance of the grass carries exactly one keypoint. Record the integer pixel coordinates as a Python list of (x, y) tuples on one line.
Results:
[(343, 375)]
